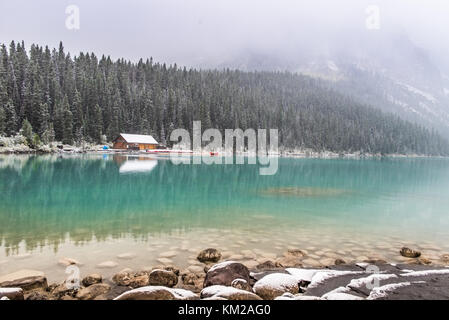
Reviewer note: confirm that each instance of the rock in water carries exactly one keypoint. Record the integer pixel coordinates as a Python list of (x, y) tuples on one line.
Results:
[(25, 279), (157, 293), (93, 291), (276, 284), (159, 277), (225, 272), (65, 262), (92, 279), (209, 255), (409, 253), (139, 280)]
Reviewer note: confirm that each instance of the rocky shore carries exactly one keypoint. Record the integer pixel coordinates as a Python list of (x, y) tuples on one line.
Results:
[(215, 279)]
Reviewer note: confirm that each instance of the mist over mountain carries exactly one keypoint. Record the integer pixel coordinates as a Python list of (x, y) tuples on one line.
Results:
[(386, 70)]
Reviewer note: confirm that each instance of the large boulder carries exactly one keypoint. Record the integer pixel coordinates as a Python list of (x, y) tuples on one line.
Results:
[(209, 255), (25, 279), (159, 277), (225, 272), (11, 293), (157, 293), (93, 291), (276, 284), (229, 293)]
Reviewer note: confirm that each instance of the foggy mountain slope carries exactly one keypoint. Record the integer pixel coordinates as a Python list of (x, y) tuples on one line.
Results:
[(388, 72)]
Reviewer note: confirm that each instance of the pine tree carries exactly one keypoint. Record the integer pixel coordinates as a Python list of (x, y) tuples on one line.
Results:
[(67, 135), (27, 131), (10, 119)]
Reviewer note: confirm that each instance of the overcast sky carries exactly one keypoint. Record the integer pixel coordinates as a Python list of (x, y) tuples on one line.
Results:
[(187, 31)]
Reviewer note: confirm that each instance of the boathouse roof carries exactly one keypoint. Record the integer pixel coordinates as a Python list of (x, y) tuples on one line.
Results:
[(138, 138)]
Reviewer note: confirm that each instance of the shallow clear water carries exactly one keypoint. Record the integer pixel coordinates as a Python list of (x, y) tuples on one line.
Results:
[(94, 208)]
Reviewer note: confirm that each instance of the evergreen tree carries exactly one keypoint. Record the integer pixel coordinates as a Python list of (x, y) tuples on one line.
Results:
[(67, 135), (27, 131)]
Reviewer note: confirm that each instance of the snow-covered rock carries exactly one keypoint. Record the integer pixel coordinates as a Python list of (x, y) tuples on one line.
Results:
[(11, 293), (229, 293), (276, 284), (157, 293)]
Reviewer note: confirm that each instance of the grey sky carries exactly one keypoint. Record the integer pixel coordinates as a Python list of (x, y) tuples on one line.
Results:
[(188, 31)]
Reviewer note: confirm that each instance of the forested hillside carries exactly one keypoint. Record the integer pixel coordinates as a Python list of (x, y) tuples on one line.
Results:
[(70, 99)]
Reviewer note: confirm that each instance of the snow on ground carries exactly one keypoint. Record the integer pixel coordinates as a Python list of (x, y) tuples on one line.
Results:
[(321, 277), (221, 265), (424, 94), (373, 278), (303, 274)]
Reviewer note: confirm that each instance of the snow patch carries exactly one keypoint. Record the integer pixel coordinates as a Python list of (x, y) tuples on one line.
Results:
[(340, 293), (383, 291), (221, 265), (302, 274), (424, 273), (424, 94), (358, 283), (222, 291)]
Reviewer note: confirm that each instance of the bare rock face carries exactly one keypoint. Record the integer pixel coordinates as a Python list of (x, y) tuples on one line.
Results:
[(157, 293), (11, 293), (209, 256), (159, 277), (92, 279), (276, 284), (225, 272), (25, 279), (409, 253), (93, 291)]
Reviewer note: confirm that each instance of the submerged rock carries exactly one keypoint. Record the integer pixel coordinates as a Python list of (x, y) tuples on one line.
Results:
[(409, 253), (209, 255), (276, 284), (157, 293), (93, 291), (269, 265), (225, 272), (65, 262), (92, 279), (107, 264), (159, 277), (25, 279)]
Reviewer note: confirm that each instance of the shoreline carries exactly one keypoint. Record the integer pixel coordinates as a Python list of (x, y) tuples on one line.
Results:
[(287, 154), (216, 278)]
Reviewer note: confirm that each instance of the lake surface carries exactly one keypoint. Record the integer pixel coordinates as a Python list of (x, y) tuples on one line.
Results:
[(141, 211)]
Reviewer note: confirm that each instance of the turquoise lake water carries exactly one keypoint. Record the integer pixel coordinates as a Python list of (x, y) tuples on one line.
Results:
[(132, 210)]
